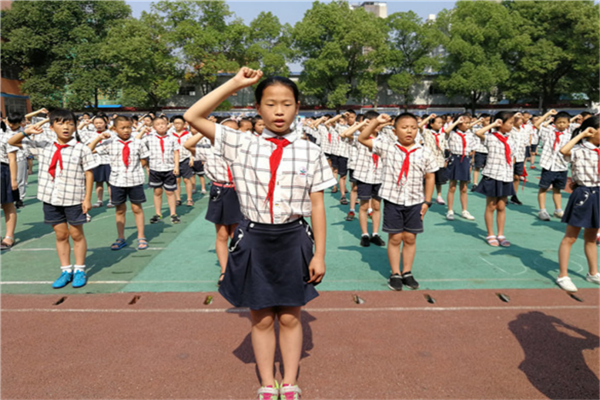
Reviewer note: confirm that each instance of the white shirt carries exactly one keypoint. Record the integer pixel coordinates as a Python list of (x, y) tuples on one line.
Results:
[(121, 175), (584, 164)]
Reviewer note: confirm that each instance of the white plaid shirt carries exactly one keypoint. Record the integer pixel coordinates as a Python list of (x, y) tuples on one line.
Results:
[(438, 152), (455, 144), (22, 153), (388, 134), (184, 154), (214, 166), (88, 135), (353, 153), (366, 170), (535, 135), (5, 148), (584, 164), (341, 144), (303, 170), (326, 141), (520, 136), (159, 161), (496, 166), (120, 175), (68, 186), (410, 190), (552, 159)]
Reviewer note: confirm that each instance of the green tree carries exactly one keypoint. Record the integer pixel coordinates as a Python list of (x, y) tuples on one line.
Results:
[(562, 54), (58, 46), (479, 37), (269, 45), (340, 48)]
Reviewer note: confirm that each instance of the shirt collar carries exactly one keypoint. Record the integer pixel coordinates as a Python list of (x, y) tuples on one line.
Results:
[(291, 137), (416, 146), (71, 142), (586, 143)]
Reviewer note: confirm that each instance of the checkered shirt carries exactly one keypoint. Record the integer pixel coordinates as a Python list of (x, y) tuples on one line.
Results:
[(535, 135), (552, 159), (214, 166), (430, 143), (326, 146), (342, 145), (520, 135), (88, 135), (584, 164), (496, 166), (120, 175), (366, 170), (303, 170), (314, 133), (159, 161), (479, 143), (353, 153), (68, 186), (22, 153), (184, 154), (410, 191), (455, 143), (388, 134), (5, 148)]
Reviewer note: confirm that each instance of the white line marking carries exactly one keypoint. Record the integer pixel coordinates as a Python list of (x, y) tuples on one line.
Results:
[(102, 282), (310, 310), (126, 248)]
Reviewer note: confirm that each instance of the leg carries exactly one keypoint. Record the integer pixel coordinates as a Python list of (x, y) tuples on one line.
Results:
[(79, 243), (138, 214), (99, 191), (475, 176), (451, 190), (591, 251), (501, 215), (564, 250), (263, 343), (171, 202), (557, 198), (376, 217), (542, 198), (438, 189), (221, 245), (362, 216), (188, 188), (463, 195), (10, 216), (203, 183), (63, 248), (393, 250), (178, 190), (290, 342), (120, 211), (158, 200), (343, 186), (491, 204), (516, 181), (353, 196), (408, 251)]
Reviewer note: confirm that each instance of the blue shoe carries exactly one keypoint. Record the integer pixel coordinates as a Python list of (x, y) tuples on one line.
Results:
[(63, 280), (80, 279)]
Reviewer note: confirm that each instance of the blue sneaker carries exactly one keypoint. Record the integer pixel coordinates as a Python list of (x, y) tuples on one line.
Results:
[(63, 280), (80, 279)]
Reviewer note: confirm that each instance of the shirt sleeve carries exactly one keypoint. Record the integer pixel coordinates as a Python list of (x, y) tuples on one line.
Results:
[(228, 142), (36, 146), (322, 177), (380, 147), (144, 151), (431, 164), (88, 161)]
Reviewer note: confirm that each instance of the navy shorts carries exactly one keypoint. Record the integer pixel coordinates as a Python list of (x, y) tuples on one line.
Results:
[(7, 193), (459, 170), (557, 179), (480, 160), (327, 155), (101, 173), (185, 171), (367, 191), (527, 151), (583, 208), (518, 168), (342, 166), (397, 218), (534, 148), (441, 176), (73, 215), (223, 206), (198, 168), (335, 161), (351, 176), (135, 194), (159, 179), (494, 188)]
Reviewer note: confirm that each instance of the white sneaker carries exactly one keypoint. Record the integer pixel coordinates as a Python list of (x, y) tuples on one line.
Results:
[(450, 215), (566, 284), (543, 215), (440, 201), (558, 213), (467, 215), (593, 278)]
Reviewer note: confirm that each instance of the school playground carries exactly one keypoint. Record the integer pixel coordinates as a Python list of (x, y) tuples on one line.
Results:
[(486, 323)]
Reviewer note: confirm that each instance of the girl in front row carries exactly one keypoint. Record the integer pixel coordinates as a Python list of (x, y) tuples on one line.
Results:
[(280, 180)]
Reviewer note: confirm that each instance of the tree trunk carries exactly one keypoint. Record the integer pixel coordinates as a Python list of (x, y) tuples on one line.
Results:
[(96, 99)]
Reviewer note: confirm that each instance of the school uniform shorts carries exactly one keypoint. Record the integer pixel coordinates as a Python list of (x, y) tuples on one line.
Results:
[(73, 215), (185, 171), (101, 173), (583, 208), (557, 179), (480, 160), (494, 188), (351, 176), (164, 179), (342, 166), (7, 192), (441, 176), (398, 218), (518, 168), (367, 191), (527, 151), (198, 168), (223, 206), (135, 194), (335, 161)]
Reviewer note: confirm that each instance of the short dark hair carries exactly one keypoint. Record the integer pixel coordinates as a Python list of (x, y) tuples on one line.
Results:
[(351, 112), (371, 114), (504, 115), (174, 117), (276, 80), (405, 115), (61, 115), (122, 118), (593, 122), (15, 117), (562, 114)]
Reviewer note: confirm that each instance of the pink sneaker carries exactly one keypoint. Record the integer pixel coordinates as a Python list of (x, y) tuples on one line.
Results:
[(268, 393), (289, 392)]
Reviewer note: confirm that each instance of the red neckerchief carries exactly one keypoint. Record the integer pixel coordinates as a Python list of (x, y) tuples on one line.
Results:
[(375, 157), (180, 136), (162, 145), (274, 162), (556, 139), (597, 150), (504, 140), (406, 162), (125, 153), (464, 144), (437, 139), (56, 158)]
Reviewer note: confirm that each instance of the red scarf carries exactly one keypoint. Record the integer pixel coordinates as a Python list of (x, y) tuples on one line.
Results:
[(406, 163), (180, 136), (504, 140), (56, 158), (437, 139), (525, 175), (162, 145), (99, 133), (375, 156), (329, 135), (274, 162), (556, 139), (125, 153), (464, 144), (597, 150)]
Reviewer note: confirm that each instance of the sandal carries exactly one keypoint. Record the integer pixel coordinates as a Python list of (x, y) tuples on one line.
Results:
[(492, 241), (190, 203), (503, 241), (178, 203), (142, 244), (118, 244), (334, 190), (97, 204), (6, 246), (221, 277)]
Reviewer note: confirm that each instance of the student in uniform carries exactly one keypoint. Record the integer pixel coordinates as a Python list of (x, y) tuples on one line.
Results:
[(583, 207), (352, 155), (102, 172), (520, 137), (481, 152), (65, 184), (128, 156), (14, 125), (405, 166), (8, 180), (271, 267), (164, 167), (185, 160), (198, 168), (258, 125), (553, 163), (435, 140), (245, 125)]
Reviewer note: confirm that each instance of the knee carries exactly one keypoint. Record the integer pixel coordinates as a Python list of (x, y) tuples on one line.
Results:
[(409, 240), (395, 240), (121, 209), (264, 324), (289, 321), (62, 236), (77, 235)]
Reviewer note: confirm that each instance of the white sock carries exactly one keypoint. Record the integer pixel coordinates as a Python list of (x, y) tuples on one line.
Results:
[(68, 268), (375, 234), (365, 234), (542, 210), (352, 210), (79, 268), (370, 210)]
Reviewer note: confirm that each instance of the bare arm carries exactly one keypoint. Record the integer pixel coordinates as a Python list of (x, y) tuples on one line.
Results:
[(481, 132), (33, 114), (97, 139), (190, 144), (544, 117), (318, 221), (426, 120), (566, 149), (348, 133), (364, 137), (89, 188), (35, 129)]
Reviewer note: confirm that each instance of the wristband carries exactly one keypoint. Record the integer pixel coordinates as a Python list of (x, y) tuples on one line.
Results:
[(25, 135), (428, 204)]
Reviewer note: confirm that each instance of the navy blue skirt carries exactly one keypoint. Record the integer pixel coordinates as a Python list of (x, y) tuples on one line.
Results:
[(493, 188), (223, 206), (101, 173), (583, 208), (458, 170), (268, 266), (7, 193)]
